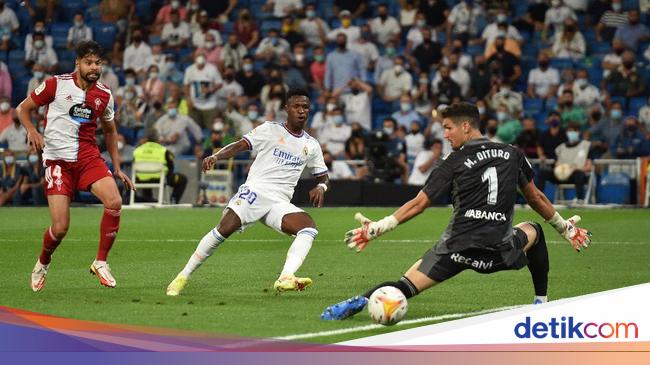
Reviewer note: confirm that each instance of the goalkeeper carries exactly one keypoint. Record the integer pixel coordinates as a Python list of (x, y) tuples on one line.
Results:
[(482, 178)]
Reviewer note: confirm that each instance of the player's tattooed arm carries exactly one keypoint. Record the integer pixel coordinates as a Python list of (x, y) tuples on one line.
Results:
[(225, 153), (317, 194)]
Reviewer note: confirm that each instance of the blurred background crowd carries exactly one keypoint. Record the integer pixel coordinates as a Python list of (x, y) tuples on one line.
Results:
[(194, 75)]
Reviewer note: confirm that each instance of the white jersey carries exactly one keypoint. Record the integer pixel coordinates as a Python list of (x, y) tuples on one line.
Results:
[(72, 116), (281, 158)]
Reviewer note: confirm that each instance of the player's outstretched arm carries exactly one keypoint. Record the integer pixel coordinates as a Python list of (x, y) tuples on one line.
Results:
[(358, 238), (225, 153), (24, 111), (578, 237)]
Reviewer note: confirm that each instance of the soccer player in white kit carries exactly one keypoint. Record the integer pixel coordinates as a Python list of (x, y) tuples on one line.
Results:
[(282, 150), (76, 104)]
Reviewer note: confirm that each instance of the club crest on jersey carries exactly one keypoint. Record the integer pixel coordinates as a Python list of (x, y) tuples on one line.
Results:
[(80, 113), (305, 151), (98, 103)]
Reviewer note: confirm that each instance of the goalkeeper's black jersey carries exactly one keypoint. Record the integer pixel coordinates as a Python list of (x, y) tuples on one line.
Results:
[(482, 178)]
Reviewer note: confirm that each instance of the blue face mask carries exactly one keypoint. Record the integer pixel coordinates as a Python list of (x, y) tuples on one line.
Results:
[(253, 114), (32, 159), (338, 119), (616, 114), (172, 112), (573, 136)]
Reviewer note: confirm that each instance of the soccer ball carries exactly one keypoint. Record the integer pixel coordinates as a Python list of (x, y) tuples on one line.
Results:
[(387, 305), (563, 171)]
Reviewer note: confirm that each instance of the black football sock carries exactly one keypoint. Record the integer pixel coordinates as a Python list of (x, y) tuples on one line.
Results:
[(403, 284), (538, 262)]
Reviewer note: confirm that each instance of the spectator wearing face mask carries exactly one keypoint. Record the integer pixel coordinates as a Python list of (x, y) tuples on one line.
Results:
[(543, 80), (569, 112), (164, 14), (384, 27), (416, 34), (610, 20), (8, 18), (230, 90), (509, 125), (626, 80), (385, 61), (251, 80), (132, 109), (314, 28), (335, 133), (551, 138), (511, 99), (457, 73), (246, 29), (200, 85), (609, 127), (137, 56), (272, 47), (130, 81), (38, 76), (11, 178), (79, 31), (342, 65), (6, 113), (555, 17), (367, 48), (414, 140), (569, 43), (599, 145), (351, 32), (31, 190), (232, 54), (406, 113), (173, 130), (153, 87), (15, 136), (41, 53), (323, 115), (358, 103), (528, 139), (631, 142), (199, 35), (176, 33), (395, 82), (39, 27), (576, 154), (109, 78), (445, 90), (634, 31)]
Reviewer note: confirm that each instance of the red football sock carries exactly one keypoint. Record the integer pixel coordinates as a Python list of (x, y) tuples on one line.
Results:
[(108, 231), (50, 244)]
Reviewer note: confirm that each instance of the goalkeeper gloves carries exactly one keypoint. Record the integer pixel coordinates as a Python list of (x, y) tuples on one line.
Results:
[(359, 237), (578, 237)]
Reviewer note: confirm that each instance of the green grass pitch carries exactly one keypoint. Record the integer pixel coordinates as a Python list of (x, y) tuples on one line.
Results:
[(232, 292)]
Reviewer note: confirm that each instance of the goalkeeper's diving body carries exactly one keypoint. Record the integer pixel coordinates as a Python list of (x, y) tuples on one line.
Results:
[(482, 178)]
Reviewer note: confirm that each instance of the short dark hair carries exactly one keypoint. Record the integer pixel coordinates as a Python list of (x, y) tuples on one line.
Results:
[(89, 48), (462, 112), (294, 92)]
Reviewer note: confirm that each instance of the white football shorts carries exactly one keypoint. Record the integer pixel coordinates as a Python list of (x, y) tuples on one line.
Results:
[(251, 205)]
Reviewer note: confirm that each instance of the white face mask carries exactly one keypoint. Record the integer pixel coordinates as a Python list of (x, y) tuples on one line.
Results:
[(153, 74), (300, 57), (175, 4), (200, 60), (209, 45), (129, 95), (617, 7), (9, 160), (4, 107), (398, 68), (129, 81), (39, 43), (329, 107), (120, 145)]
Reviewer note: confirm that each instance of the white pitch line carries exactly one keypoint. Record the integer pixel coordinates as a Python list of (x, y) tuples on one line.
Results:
[(369, 327), (287, 240)]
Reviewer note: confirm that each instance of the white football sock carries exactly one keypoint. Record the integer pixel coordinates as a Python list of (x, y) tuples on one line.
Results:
[(206, 247), (298, 250), (542, 298)]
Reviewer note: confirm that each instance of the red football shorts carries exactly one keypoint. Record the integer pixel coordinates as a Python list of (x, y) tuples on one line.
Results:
[(64, 178)]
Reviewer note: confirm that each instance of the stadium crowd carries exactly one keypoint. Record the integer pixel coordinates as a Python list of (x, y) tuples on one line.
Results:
[(202, 73)]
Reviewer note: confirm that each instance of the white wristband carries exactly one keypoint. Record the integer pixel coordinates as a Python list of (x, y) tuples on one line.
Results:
[(324, 186), (388, 223), (557, 222)]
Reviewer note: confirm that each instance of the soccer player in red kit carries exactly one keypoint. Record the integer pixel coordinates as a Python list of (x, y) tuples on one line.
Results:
[(74, 104)]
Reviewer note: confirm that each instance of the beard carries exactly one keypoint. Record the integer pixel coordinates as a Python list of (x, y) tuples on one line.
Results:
[(91, 76)]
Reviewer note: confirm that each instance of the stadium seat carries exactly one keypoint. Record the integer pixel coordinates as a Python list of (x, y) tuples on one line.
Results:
[(104, 34), (562, 63), (143, 10), (151, 168), (614, 189), (533, 105), (269, 24), (636, 103), (59, 33), (68, 8)]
